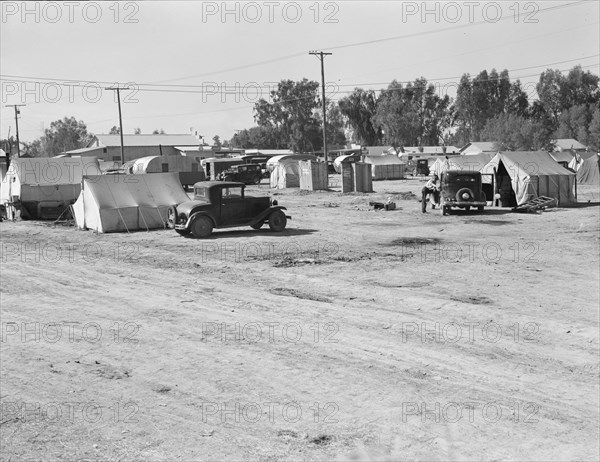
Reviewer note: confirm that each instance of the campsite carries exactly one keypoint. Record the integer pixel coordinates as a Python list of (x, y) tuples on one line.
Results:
[(350, 231), (355, 333)]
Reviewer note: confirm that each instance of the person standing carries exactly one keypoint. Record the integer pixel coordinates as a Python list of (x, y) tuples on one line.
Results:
[(431, 187)]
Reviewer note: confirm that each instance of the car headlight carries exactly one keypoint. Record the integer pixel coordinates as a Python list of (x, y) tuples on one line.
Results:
[(465, 196)]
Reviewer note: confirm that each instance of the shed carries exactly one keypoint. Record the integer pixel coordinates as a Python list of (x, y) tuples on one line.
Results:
[(523, 175), (43, 187), (285, 170), (347, 159), (386, 167), (113, 203)]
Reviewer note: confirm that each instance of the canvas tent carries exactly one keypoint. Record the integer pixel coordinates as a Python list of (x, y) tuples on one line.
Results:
[(588, 170), (113, 203), (387, 167), (285, 170), (43, 187), (472, 163), (522, 176)]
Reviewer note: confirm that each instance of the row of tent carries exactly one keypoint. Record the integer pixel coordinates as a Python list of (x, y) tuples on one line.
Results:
[(125, 202)]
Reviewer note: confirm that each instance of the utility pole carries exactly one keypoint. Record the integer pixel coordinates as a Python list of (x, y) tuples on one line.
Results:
[(17, 112), (321, 55), (117, 89)]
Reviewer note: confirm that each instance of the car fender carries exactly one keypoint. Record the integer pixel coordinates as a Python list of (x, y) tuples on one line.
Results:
[(266, 213), (194, 215)]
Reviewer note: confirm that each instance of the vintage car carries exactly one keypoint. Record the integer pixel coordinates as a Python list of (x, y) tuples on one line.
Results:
[(246, 173), (223, 204), (461, 189)]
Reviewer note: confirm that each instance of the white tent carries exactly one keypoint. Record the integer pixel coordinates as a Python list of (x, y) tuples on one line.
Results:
[(472, 163), (285, 170), (386, 167), (522, 176), (112, 203), (45, 183), (588, 170), (338, 161)]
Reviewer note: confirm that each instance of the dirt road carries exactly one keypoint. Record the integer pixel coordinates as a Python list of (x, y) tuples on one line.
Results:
[(355, 334)]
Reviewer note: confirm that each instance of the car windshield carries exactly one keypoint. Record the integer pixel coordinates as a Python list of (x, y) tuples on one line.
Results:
[(200, 193)]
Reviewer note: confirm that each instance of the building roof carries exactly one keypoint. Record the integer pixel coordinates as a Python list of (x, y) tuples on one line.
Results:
[(144, 140), (568, 143), (481, 146), (431, 149)]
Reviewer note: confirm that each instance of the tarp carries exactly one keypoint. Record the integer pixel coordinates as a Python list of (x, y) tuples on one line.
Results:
[(533, 174), (588, 170), (46, 179), (113, 203), (285, 170), (472, 163)]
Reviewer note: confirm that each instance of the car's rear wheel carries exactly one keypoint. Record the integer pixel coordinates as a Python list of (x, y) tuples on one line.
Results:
[(277, 221), (257, 179), (201, 227), (480, 208)]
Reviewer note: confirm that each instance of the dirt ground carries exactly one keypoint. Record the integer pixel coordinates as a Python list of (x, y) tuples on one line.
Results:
[(353, 335)]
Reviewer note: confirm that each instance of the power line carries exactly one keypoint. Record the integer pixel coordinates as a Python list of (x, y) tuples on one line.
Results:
[(17, 112), (446, 29), (321, 55)]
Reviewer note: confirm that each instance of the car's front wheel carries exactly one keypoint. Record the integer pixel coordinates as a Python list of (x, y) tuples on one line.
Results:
[(201, 227), (277, 221), (183, 232), (257, 225), (257, 179)]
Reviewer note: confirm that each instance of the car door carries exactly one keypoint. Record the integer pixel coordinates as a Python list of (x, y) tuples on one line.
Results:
[(233, 207)]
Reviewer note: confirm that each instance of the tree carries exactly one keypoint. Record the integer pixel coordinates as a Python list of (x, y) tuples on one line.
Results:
[(256, 138), (594, 139), (217, 141), (551, 90), (115, 130), (485, 97), (359, 108), (137, 131), (290, 115), (574, 122), (63, 135), (158, 132), (512, 132), (413, 115)]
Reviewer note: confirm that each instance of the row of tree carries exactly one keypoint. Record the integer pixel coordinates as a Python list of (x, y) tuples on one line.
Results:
[(487, 107)]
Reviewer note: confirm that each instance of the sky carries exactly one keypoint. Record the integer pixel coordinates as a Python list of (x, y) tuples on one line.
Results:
[(199, 67)]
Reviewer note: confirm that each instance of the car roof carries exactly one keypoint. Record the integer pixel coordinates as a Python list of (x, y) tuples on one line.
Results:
[(212, 184), (462, 172)]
